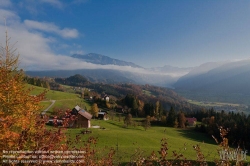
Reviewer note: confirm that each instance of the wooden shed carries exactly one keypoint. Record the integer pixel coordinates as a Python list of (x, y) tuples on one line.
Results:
[(83, 118), (103, 116)]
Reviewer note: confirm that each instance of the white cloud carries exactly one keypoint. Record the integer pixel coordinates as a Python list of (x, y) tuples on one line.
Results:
[(5, 3), (69, 33), (9, 16), (36, 7), (51, 27), (35, 49)]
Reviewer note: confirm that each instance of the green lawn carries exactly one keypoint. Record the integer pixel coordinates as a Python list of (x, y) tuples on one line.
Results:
[(52, 94), (64, 100), (212, 104), (127, 140), (45, 104)]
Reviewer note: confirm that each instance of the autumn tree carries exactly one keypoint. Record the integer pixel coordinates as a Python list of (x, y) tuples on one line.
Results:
[(94, 110), (146, 123), (140, 108), (46, 85), (157, 108), (82, 94), (128, 120), (163, 119), (176, 123), (21, 127), (181, 120), (108, 105)]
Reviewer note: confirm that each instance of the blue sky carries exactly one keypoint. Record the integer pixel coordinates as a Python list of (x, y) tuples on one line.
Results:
[(150, 33)]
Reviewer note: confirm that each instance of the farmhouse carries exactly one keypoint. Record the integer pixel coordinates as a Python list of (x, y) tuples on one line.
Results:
[(191, 121), (105, 97), (82, 118)]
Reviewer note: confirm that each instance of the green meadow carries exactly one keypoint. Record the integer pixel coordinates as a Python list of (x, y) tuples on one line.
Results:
[(126, 141), (63, 100), (212, 104), (131, 141)]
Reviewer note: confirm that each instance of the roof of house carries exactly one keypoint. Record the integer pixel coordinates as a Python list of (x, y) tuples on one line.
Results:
[(77, 108), (191, 120), (101, 113), (85, 114)]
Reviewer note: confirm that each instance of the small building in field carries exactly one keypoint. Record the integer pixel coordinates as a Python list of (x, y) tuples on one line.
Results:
[(191, 121), (105, 97), (82, 118), (103, 116), (119, 109)]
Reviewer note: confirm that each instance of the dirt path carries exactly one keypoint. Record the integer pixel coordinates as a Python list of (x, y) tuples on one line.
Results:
[(52, 103)]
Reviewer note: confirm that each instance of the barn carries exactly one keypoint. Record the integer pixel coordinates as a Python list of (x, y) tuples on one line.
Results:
[(82, 118)]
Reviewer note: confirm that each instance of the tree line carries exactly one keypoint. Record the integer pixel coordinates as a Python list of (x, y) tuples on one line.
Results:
[(167, 117), (37, 82), (146, 93), (237, 123)]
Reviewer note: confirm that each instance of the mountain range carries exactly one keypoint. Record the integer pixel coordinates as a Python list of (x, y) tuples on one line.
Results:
[(124, 72), (229, 77), (103, 60)]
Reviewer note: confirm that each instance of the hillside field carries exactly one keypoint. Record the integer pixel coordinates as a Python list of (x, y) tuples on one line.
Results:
[(63, 100), (127, 140)]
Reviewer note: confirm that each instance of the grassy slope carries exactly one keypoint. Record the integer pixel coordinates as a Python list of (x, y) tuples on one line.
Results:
[(129, 139), (63, 100), (212, 104)]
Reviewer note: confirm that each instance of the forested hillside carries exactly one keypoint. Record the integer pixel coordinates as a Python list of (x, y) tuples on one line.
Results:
[(146, 93)]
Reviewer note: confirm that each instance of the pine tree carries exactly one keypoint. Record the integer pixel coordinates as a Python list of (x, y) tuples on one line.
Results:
[(134, 107), (171, 118)]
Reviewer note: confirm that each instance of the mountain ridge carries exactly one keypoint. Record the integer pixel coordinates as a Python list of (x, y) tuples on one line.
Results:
[(103, 60), (229, 82), (109, 70)]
